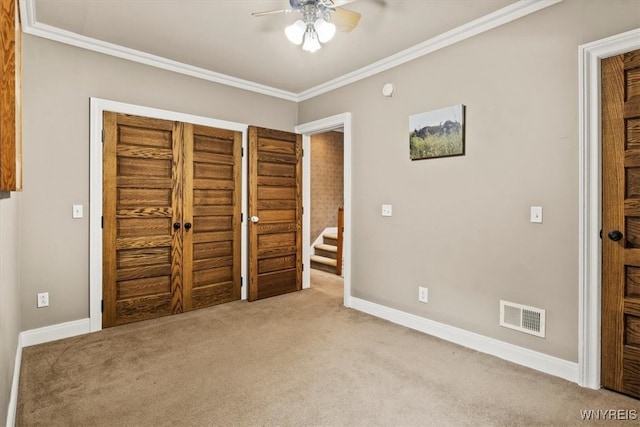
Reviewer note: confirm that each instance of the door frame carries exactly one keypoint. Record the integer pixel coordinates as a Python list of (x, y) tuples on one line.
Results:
[(339, 121), (590, 199), (97, 107)]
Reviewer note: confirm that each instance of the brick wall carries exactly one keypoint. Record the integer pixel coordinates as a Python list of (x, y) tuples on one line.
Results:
[(327, 178)]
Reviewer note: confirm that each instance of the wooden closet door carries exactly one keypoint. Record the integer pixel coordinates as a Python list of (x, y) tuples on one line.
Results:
[(142, 201), (171, 211), (213, 176)]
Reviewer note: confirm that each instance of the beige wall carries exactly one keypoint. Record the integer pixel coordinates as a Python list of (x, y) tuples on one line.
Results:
[(58, 81), (9, 293), (327, 180), (460, 225)]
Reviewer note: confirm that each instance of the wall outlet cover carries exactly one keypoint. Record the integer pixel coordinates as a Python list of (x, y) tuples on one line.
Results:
[(43, 299)]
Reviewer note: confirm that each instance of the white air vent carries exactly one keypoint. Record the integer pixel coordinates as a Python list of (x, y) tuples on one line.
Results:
[(529, 320)]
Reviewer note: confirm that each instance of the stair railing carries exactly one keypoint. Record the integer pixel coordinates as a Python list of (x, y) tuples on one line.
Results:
[(340, 237)]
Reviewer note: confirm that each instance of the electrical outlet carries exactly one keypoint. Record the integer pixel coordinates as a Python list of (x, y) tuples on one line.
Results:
[(43, 299), (423, 294)]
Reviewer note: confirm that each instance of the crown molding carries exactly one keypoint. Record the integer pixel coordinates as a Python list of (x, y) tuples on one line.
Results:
[(458, 34), (31, 26)]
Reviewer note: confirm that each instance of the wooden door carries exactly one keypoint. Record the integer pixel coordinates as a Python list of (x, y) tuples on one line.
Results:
[(275, 213), (621, 223), (171, 217), (214, 244)]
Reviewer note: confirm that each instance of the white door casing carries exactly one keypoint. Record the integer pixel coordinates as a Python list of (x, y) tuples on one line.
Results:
[(342, 121), (590, 199)]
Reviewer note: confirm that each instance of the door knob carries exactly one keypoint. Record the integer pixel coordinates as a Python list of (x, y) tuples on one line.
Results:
[(176, 225), (187, 225), (615, 235), (255, 219)]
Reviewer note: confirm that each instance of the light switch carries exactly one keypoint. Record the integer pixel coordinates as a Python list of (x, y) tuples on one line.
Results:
[(387, 210), (77, 211), (536, 214)]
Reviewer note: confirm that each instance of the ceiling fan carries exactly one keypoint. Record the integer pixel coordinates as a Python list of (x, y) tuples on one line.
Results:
[(320, 19)]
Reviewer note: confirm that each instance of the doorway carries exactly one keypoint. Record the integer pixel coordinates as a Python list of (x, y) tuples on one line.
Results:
[(327, 201), (340, 121), (590, 205)]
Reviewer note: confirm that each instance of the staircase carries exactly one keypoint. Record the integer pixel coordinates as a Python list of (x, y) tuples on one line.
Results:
[(326, 253)]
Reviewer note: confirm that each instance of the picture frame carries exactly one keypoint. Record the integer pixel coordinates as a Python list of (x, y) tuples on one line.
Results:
[(437, 133)]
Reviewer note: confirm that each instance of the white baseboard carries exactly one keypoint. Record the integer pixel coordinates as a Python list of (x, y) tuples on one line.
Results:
[(522, 356), (40, 336), (13, 399), (55, 332)]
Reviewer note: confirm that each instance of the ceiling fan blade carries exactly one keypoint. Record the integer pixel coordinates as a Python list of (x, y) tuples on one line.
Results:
[(344, 19), (271, 12), (339, 3)]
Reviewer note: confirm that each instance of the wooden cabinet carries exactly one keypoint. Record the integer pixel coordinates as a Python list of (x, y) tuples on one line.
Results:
[(10, 98)]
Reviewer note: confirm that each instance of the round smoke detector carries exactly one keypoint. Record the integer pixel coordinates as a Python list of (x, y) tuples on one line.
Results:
[(388, 89)]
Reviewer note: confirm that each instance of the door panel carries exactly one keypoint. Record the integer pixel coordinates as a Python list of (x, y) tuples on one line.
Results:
[(214, 182), (171, 205), (140, 206), (621, 213), (275, 199)]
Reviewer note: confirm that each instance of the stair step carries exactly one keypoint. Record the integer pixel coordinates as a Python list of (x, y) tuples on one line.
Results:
[(323, 260), (326, 248), (330, 239), (323, 263), (320, 252), (327, 251)]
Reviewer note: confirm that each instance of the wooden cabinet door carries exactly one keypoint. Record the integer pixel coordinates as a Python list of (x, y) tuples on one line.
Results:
[(275, 212), (171, 211)]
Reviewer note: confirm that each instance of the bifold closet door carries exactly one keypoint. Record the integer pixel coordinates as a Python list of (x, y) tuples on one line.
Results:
[(171, 217)]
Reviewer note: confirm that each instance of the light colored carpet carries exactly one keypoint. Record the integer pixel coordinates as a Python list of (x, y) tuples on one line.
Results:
[(299, 359)]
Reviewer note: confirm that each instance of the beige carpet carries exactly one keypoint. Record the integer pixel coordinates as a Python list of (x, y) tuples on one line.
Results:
[(299, 359)]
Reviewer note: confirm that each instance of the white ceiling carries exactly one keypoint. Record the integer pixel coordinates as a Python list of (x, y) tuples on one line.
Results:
[(222, 37)]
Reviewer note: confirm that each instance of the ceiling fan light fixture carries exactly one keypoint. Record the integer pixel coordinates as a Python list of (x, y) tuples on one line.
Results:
[(295, 32), (311, 43), (326, 30)]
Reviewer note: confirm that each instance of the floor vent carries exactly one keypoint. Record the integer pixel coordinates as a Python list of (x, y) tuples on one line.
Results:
[(529, 320)]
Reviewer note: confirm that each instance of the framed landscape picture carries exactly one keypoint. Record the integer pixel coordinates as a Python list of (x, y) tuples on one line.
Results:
[(438, 133)]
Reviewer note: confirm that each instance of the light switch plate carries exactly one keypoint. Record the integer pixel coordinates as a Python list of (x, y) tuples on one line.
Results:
[(536, 214), (77, 211), (387, 210)]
